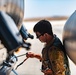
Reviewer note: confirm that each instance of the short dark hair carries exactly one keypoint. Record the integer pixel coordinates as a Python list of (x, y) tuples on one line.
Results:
[(43, 26)]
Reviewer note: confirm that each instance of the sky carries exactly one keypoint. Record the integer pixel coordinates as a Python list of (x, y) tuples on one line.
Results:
[(48, 8)]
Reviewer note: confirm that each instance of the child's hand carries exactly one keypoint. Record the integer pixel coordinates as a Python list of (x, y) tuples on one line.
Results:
[(47, 71), (30, 55)]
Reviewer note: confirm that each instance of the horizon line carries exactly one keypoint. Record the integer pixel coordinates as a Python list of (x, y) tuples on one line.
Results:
[(47, 18)]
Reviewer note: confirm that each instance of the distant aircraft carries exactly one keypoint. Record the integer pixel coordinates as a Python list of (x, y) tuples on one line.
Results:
[(69, 37)]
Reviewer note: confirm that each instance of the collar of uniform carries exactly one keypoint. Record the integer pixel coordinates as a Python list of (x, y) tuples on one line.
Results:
[(50, 42)]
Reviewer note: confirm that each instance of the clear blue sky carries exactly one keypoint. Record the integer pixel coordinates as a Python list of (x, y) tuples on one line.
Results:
[(47, 8)]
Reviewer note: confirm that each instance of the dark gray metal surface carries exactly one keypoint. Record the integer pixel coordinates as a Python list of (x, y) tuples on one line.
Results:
[(15, 8), (69, 37)]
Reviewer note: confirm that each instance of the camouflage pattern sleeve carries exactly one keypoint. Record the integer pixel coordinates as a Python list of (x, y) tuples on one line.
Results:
[(56, 57)]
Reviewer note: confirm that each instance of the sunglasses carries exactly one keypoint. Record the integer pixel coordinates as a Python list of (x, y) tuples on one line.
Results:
[(38, 36)]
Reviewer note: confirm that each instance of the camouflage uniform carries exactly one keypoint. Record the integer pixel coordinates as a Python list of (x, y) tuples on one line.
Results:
[(55, 58)]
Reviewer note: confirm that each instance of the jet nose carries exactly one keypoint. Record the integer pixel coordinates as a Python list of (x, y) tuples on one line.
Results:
[(69, 37)]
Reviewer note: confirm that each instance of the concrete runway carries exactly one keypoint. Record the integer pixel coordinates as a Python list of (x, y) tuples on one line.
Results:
[(32, 66)]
